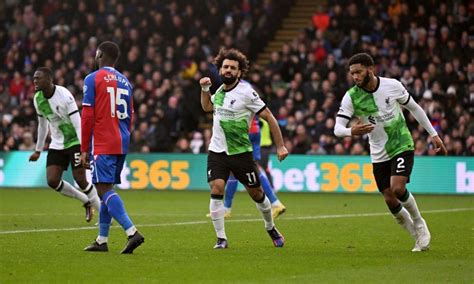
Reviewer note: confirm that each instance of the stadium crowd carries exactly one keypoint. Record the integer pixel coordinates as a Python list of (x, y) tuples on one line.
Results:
[(168, 45)]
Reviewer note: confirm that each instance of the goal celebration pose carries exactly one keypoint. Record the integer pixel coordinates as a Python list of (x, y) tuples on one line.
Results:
[(234, 104)]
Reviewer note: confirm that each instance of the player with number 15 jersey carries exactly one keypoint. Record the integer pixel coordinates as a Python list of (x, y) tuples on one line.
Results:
[(106, 123), (109, 94)]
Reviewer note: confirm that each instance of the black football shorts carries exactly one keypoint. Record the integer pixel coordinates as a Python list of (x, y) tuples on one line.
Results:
[(400, 165), (242, 166), (63, 158)]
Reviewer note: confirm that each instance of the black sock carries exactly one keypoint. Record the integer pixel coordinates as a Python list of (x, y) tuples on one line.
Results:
[(217, 196), (405, 196), (396, 209)]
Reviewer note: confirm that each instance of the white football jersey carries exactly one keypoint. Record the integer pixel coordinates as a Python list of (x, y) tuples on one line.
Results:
[(233, 111), (57, 110), (382, 108)]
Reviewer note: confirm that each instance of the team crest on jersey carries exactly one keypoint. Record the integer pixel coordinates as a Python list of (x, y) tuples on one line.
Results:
[(371, 119), (387, 102)]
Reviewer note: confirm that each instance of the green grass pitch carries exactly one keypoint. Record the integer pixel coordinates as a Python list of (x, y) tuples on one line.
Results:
[(330, 238)]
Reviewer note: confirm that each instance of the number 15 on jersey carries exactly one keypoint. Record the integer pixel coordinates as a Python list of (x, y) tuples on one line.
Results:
[(116, 99)]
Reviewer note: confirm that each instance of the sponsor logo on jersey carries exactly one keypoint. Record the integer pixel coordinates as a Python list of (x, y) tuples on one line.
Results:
[(225, 113), (385, 117)]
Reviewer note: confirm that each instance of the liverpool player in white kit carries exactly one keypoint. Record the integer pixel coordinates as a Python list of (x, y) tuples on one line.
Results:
[(57, 109), (234, 104), (376, 102)]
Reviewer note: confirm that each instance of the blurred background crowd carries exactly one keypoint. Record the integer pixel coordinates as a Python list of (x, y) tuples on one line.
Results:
[(167, 46)]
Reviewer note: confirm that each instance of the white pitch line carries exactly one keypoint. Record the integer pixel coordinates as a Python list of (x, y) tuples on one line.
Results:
[(78, 214), (236, 221)]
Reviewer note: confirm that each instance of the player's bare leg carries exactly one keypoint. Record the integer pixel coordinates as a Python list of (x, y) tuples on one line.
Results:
[(54, 175)]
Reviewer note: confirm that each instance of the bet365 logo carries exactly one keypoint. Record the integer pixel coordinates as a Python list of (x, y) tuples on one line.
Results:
[(464, 178)]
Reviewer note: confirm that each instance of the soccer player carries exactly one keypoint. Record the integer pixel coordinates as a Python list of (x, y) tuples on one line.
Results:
[(234, 104), (231, 187), (106, 123), (57, 110), (377, 102)]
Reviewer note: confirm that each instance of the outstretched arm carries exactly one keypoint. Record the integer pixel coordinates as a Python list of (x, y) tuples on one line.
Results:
[(423, 120)]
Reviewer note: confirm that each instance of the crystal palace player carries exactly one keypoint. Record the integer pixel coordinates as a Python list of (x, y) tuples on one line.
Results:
[(106, 122)]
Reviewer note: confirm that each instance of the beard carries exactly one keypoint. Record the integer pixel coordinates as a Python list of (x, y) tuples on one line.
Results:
[(228, 80), (365, 81)]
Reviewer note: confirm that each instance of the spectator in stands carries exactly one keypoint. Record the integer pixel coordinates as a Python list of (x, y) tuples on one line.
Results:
[(428, 47), (321, 19), (27, 143)]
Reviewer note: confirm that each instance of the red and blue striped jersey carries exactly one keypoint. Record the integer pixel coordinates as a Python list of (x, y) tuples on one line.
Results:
[(254, 125), (108, 99)]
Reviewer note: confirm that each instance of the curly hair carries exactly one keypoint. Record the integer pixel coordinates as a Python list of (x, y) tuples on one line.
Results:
[(361, 58), (232, 54)]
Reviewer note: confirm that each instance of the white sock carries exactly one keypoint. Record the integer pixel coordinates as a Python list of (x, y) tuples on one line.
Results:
[(277, 203), (67, 189), (410, 205), (93, 196), (266, 209), (403, 219), (131, 231), (100, 240), (216, 207)]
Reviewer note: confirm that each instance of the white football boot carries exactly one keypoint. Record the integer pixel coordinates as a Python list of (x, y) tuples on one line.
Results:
[(423, 236)]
